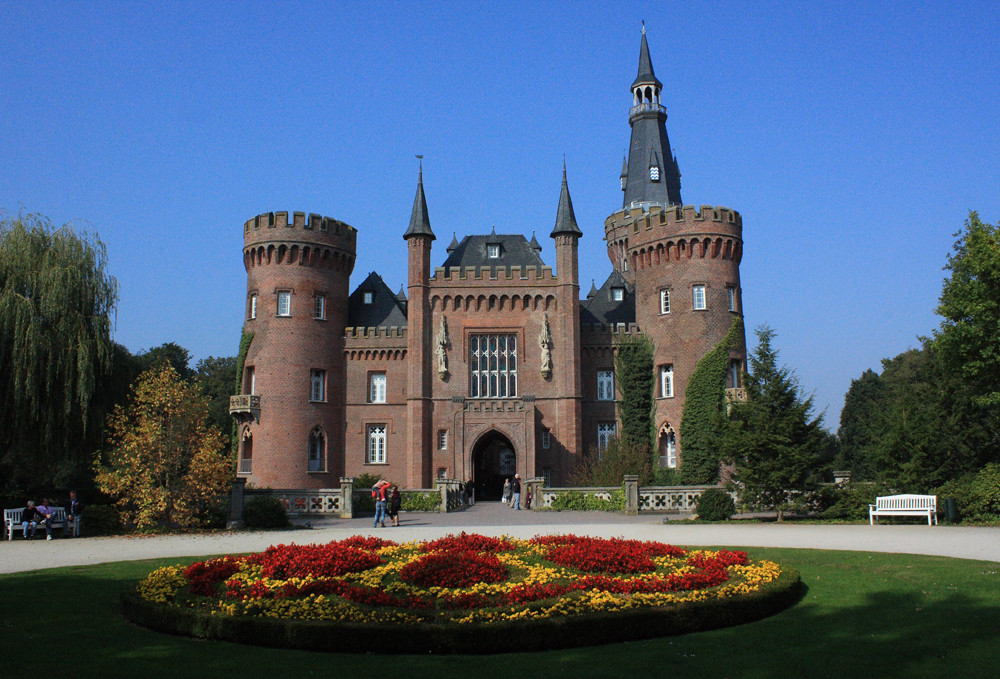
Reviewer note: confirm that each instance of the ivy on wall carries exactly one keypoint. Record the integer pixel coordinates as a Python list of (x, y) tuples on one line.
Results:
[(245, 339), (704, 406), (635, 381)]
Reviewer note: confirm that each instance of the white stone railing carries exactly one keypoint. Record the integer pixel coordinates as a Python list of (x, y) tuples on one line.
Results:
[(670, 499), (296, 502)]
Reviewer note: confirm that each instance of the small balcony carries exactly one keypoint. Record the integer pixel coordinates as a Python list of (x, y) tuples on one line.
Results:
[(245, 407), (737, 394), (646, 107)]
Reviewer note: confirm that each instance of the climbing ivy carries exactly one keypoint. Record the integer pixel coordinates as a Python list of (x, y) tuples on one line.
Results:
[(635, 381), (245, 339), (704, 405)]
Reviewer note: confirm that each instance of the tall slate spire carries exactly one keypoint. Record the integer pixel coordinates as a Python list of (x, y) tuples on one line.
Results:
[(651, 175), (565, 219), (420, 222)]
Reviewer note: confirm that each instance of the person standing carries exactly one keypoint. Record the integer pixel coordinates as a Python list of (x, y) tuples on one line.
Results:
[(470, 493), (29, 519), (378, 492), (505, 498), (516, 490), (74, 514), (395, 504)]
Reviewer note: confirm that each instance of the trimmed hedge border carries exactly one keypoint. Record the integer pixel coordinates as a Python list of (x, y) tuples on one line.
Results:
[(474, 639)]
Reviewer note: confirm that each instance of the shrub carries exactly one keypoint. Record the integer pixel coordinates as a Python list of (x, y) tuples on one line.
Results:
[(589, 502), (716, 505), (978, 495), (420, 502), (853, 501), (265, 511)]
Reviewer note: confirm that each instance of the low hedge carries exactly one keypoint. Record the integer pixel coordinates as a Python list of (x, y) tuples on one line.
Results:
[(470, 638), (577, 501)]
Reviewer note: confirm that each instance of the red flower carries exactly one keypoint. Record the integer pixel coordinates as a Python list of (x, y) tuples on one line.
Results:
[(330, 560), (467, 542), (203, 576), (454, 569)]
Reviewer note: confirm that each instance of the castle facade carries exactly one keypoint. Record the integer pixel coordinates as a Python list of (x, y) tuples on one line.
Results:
[(491, 363)]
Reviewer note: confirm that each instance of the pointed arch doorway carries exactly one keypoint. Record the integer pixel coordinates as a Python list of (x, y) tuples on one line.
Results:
[(493, 460)]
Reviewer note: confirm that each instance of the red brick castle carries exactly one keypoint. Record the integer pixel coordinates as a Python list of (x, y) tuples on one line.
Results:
[(490, 364)]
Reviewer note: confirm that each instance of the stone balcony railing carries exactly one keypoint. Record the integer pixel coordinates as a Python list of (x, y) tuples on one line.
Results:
[(245, 407), (737, 394)]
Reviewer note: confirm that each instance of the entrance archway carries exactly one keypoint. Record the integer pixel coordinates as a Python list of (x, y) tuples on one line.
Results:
[(493, 460)]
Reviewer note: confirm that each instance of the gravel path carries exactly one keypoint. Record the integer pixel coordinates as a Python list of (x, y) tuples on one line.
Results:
[(495, 519)]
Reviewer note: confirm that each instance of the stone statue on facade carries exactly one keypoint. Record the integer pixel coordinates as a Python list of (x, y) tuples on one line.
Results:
[(545, 342), (440, 349)]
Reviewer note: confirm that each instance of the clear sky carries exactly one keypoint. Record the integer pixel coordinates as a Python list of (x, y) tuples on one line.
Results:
[(854, 138)]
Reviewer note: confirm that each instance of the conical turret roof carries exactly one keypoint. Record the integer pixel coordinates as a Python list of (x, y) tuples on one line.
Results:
[(646, 75), (565, 219), (420, 222)]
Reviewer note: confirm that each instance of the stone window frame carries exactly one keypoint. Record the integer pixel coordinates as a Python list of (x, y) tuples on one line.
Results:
[(319, 306), (378, 386), (508, 376), (605, 432), (664, 301), (377, 443), (284, 300), (316, 455), (317, 385), (605, 384), (696, 298), (667, 380)]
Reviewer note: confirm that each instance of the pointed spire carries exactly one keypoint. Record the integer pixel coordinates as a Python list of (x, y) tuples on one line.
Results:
[(565, 219), (420, 223), (645, 75), (494, 238), (534, 243), (593, 290), (454, 243), (401, 295), (624, 174)]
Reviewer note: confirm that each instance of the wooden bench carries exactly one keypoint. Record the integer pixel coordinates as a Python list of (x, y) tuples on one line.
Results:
[(904, 505), (12, 521)]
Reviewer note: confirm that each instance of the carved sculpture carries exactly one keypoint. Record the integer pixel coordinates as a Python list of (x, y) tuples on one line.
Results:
[(442, 345), (545, 342)]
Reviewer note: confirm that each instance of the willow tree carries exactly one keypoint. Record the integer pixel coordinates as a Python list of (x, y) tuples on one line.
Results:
[(56, 299)]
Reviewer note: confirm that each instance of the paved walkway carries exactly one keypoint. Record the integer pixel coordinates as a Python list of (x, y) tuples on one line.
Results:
[(496, 519)]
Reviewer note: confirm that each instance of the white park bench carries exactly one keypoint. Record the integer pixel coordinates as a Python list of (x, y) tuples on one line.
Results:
[(904, 505), (12, 521)]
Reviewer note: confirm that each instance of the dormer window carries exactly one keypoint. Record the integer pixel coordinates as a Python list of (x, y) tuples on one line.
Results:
[(367, 297), (617, 294), (654, 174), (493, 251)]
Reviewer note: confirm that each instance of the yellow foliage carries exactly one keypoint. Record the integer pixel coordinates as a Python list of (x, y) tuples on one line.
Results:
[(164, 463)]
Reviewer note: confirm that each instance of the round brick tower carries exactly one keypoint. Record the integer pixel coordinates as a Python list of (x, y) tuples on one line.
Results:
[(683, 261), (298, 272)]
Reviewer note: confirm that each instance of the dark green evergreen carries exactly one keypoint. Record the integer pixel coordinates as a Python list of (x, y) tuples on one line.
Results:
[(704, 409), (772, 438)]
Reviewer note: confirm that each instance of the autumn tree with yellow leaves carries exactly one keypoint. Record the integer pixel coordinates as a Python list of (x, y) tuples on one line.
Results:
[(165, 465)]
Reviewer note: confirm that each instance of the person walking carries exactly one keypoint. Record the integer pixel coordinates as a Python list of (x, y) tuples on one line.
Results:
[(516, 491)]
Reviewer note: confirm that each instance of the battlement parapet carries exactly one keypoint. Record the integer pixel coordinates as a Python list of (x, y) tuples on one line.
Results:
[(660, 221), (607, 330), (382, 331), (276, 226), (491, 275)]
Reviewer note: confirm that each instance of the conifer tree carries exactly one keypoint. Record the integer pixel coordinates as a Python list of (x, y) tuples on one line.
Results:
[(771, 437)]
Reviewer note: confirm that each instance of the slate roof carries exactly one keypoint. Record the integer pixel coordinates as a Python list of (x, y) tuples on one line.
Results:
[(515, 250), (602, 309), (420, 222), (386, 309), (565, 219)]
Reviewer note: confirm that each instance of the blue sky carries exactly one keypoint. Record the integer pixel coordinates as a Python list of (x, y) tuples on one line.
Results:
[(854, 138)]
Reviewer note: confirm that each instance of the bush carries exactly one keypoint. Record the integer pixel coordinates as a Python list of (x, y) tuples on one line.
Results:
[(607, 467), (265, 511), (715, 505), (589, 502), (420, 502), (978, 495), (852, 501)]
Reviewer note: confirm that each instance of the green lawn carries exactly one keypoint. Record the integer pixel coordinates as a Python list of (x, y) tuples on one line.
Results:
[(864, 615)]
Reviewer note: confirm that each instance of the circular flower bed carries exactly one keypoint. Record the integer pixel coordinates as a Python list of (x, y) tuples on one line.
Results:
[(461, 593)]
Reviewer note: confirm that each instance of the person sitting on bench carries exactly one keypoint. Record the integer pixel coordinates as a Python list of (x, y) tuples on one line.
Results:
[(29, 519)]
